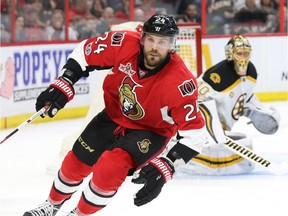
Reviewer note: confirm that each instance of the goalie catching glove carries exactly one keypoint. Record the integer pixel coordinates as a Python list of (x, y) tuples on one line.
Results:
[(265, 121), (56, 95), (154, 175)]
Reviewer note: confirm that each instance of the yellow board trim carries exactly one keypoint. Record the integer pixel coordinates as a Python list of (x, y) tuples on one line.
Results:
[(80, 112), (272, 96), (67, 113)]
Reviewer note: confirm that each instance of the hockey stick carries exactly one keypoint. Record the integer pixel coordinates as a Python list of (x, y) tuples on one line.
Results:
[(36, 115), (243, 151)]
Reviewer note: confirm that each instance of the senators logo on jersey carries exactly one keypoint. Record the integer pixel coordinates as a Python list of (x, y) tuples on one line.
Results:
[(117, 38), (144, 145), (128, 100), (187, 88)]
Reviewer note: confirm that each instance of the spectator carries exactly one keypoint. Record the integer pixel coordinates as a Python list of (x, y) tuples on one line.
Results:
[(191, 14), (57, 4), (115, 4), (5, 14), (78, 13), (89, 30), (5, 35), (20, 6), (19, 28), (56, 29), (34, 28), (3, 6), (123, 15), (250, 19), (147, 7), (97, 8), (139, 15), (182, 5), (79, 8), (106, 20), (250, 12), (43, 8), (267, 6), (219, 13)]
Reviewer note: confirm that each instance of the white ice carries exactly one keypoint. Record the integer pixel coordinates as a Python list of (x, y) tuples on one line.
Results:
[(24, 182)]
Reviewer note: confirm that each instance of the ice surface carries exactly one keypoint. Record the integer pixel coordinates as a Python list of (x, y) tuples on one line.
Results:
[(25, 184)]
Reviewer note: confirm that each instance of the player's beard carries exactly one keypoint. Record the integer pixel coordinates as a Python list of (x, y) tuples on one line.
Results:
[(152, 59)]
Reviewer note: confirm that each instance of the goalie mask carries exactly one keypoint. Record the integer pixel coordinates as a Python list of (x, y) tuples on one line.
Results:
[(163, 25), (238, 49)]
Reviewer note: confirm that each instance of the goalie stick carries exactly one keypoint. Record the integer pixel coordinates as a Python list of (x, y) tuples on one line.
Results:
[(243, 151), (36, 115)]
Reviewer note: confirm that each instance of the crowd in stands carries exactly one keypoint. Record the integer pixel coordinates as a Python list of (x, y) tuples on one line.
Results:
[(244, 16), (44, 20)]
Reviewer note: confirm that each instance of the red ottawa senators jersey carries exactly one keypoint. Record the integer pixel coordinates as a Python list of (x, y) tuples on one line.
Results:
[(165, 102)]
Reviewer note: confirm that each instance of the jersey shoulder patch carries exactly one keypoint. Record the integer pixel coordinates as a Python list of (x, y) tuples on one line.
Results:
[(221, 76)]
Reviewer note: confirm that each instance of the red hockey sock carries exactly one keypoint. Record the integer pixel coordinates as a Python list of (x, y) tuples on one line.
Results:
[(108, 174), (69, 178)]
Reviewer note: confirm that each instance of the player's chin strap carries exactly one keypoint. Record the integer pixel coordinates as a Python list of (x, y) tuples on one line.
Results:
[(209, 111)]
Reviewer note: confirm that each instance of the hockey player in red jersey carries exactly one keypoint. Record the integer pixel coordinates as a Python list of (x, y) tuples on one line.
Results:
[(150, 96)]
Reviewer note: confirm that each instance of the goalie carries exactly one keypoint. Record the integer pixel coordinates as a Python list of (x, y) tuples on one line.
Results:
[(230, 84)]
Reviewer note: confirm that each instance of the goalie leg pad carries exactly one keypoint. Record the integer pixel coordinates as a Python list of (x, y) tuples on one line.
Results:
[(216, 160)]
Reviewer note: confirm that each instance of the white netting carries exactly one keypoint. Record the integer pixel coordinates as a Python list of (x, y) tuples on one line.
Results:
[(186, 47)]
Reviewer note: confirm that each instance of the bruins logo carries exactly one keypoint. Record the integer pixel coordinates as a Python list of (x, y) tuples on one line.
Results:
[(144, 145), (215, 77), (238, 108), (128, 100)]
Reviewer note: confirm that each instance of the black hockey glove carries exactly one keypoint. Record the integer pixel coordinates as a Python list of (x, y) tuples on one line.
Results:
[(153, 176), (56, 95)]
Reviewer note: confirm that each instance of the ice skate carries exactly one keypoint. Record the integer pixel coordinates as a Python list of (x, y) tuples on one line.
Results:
[(72, 213), (44, 209)]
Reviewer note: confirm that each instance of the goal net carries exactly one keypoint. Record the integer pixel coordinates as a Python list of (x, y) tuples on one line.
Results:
[(188, 46)]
